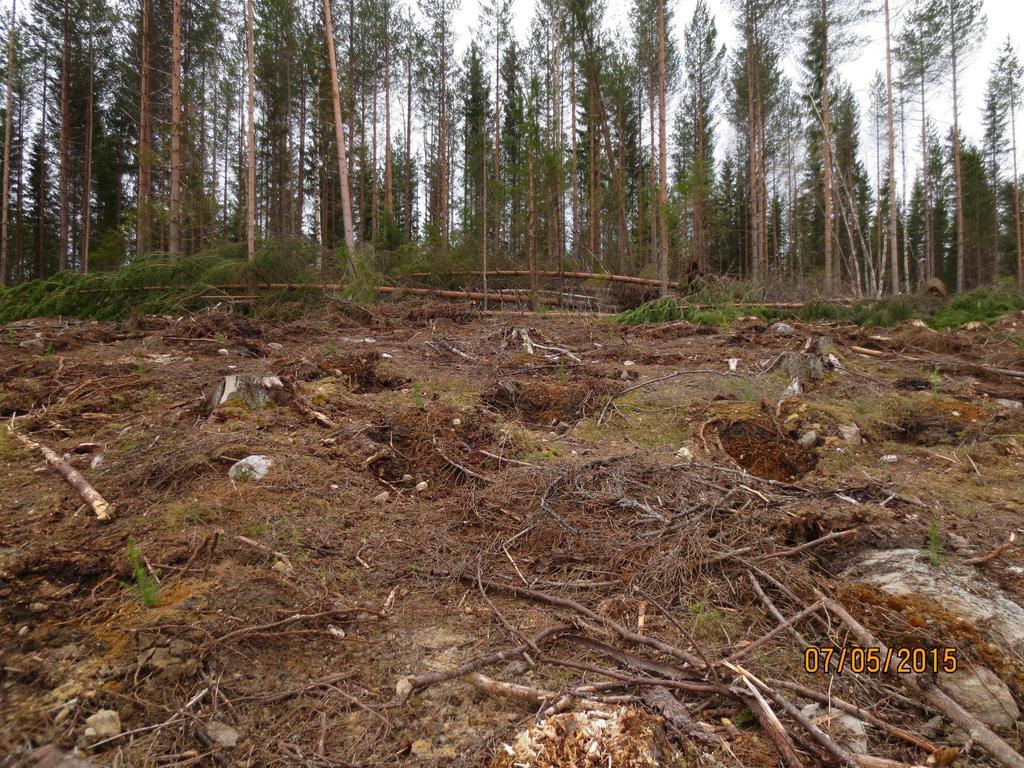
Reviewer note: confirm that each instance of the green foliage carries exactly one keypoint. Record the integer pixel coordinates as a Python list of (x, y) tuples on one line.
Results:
[(664, 310), (981, 304), (818, 310), (936, 543), (883, 313), (145, 584)]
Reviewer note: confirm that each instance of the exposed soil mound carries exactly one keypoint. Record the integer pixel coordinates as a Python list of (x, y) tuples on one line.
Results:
[(759, 447), (361, 372), (545, 402), (932, 421)]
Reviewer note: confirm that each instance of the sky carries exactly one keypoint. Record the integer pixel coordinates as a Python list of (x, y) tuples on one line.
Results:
[(1004, 17)]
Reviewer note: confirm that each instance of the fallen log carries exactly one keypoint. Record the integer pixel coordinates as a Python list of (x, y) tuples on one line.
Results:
[(104, 512)]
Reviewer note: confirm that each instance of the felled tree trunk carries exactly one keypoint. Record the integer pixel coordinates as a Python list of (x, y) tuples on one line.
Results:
[(104, 512)]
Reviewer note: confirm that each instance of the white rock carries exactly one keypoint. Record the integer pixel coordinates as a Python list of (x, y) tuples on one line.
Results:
[(959, 590), (275, 345), (628, 363), (222, 734), (23, 631), (382, 497), (97, 461), (795, 389), (104, 724), (734, 363), (890, 458), (253, 467), (406, 478), (456, 422), (985, 695), (808, 439), (387, 355), (422, 485), (334, 486), (37, 607), (223, 352), (685, 454), (783, 329)]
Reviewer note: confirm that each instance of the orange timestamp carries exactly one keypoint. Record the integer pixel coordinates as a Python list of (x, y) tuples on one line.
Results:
[(872, 661)]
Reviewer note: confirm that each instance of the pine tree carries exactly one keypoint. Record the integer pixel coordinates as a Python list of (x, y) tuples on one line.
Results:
[(1007, 91)]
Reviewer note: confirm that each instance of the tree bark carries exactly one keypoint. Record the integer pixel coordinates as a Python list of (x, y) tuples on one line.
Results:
[(65, 128), (893, 228), (339, 136), (7, 142), (960, 277), (174, 218), (662, 155), (87, 183), (388, 171), (929, 246), (250, 135), (1016, 188), (826, 123), (41, 234)]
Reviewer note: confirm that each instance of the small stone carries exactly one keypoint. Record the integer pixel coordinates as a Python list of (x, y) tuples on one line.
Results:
[(734, 363), (104, 724), (280, 566), (221, 734), (275, 345), (685, 454), (456, 422), (253, 467), (23, 631), (890, 458), (783, 329), (1010, 405), (223, 352), (37, 607), (97, 461), (422, 485), (406, 478), (422, 748), (628, 363), (403, 688), (795, 389), (808, 439), (334, 486), (851, 434), (382, 497)]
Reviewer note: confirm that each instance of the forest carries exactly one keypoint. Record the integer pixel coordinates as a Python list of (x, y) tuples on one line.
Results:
[(357, 132)]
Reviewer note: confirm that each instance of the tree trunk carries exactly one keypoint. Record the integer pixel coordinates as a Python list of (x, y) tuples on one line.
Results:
[(41, 234), (408, 143), (339, 137), (174, 218), (929, 246), (388, 181), (893, 228), (250, 198), (7, 142), (374, 187), (662, 155), (826, 124), (960, 278), (497, 135), (65, 128), (87, 183), (1016, 190)]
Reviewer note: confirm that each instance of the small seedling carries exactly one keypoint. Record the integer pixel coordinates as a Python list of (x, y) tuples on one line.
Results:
[(935, 381), (936, 543), (145, 584), (140, 368), (48, 349), (563, 374), (417, 394), (12, 336)]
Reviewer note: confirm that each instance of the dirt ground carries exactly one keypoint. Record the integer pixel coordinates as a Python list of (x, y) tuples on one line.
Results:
[(446, 484)]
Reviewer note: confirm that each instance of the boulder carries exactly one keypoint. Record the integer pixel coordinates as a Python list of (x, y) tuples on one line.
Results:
[(980, 692), (953, 588), (851, 434)]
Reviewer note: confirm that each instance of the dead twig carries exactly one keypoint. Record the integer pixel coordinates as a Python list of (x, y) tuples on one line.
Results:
[(810, 544), (103, 511), (986, 558)]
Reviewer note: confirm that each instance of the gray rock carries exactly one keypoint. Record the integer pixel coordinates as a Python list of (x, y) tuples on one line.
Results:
[(959, 590), (851, 434), (983, 694), (37, 607), (808, 439), (253, 467), (221, 734), (104, 724), (1010, 405), (795, 389), (933, 728), (847, 730), (783, 329)]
